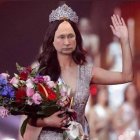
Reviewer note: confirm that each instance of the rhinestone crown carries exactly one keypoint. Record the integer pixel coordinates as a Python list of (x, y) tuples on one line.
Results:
[(63, 12)]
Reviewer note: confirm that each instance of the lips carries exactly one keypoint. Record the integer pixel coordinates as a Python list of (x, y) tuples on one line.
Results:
[(67, 49)]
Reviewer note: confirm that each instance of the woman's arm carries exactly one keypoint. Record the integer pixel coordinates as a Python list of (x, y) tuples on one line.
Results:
[(32, 132), (57, 120), (101, 76), (53, 121), (34, 127)]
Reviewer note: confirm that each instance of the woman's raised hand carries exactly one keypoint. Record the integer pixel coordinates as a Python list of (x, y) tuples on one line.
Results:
[(119, 28)]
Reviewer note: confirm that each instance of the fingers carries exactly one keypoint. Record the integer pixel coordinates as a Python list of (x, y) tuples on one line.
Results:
[(120, 20), (61, 122), (65, 122), (59, 113), (117, 21), (65, 128), (123, 23), (114, 22), (112, 28), (64, 117)]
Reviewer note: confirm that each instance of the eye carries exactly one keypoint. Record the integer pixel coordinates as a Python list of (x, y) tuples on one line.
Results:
[(71, 36), (61, 37)]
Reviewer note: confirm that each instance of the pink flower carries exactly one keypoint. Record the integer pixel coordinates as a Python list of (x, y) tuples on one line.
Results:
[(30, 92), (36, 98), (46, 78), (38, 79), (3, 112), (14, 81), (51, 84)]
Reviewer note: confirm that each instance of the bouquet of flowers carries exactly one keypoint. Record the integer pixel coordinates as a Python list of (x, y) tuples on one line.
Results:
[(34, 95), (28, 93)]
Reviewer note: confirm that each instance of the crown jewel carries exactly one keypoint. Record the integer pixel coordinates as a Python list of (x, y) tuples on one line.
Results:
[(63, 12)]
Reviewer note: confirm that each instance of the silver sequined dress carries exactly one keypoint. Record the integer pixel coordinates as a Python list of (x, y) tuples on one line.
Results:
[(80, 100)]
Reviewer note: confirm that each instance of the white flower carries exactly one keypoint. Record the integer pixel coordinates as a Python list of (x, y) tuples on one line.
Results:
[(29, 83)]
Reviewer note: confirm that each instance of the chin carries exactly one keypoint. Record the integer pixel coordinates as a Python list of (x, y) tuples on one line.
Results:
[(67, 52)]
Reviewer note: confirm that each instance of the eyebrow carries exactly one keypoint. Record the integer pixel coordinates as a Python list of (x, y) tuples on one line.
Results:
[(66, 34)]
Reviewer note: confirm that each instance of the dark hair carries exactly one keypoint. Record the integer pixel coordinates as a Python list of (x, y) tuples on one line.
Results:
[(48, 60)]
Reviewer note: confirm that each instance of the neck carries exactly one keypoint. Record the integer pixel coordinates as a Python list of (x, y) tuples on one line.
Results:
[(65, 61)]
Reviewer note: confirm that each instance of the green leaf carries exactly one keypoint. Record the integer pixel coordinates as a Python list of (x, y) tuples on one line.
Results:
[(23, 126), (41, 70), (33, 72)]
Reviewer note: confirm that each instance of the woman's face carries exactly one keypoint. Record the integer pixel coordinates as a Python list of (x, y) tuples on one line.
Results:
[(103, 96), (65, 39)]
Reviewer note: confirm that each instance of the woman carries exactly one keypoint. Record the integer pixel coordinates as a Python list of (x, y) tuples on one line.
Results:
[(100, 124), (126, 120), (64, 58)]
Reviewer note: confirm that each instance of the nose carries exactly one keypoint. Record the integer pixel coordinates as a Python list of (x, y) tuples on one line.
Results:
[(66, 41)]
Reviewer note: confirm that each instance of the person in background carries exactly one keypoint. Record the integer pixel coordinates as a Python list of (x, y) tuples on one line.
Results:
[(100, 117), (126, 118), (91, 41)]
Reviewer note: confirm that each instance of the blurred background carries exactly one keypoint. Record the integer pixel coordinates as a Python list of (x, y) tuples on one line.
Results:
[(113, 112)]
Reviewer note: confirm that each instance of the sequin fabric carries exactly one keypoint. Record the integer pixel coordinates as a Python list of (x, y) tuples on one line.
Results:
[(80, 100)]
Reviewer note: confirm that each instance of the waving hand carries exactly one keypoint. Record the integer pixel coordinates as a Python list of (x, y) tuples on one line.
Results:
[(119, 27)]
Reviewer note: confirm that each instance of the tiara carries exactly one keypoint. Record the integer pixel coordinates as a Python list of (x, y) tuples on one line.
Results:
[(63, 12)]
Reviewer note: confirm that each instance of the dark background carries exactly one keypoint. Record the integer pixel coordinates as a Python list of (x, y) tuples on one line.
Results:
[(22, 27), (23, 24)]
